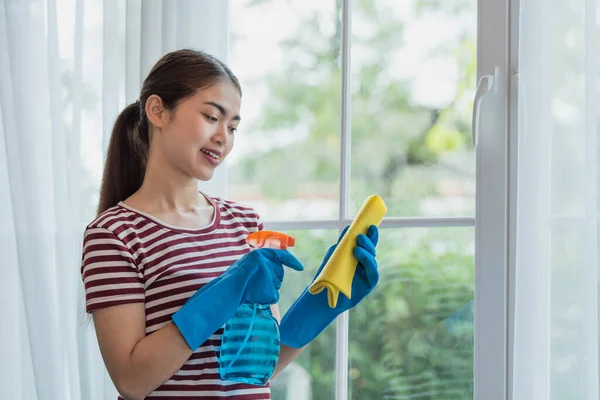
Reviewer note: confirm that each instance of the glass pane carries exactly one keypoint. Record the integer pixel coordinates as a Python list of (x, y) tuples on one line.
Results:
[(413, 337), (413, 81), (286, 159), (312, 375)]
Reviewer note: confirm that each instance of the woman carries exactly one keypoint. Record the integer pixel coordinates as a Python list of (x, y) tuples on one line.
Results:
[(164, 265)]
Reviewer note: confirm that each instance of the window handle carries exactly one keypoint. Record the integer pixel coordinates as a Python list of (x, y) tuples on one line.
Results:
[(485, 86)]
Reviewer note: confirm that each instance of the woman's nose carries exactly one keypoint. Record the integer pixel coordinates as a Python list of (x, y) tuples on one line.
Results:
[(220, 136)]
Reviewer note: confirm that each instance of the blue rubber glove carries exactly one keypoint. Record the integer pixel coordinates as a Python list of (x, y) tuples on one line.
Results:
[(255, 278), (310, 314)]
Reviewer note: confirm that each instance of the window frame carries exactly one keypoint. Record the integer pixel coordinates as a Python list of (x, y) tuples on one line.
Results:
[(497, 33), (493, 214)]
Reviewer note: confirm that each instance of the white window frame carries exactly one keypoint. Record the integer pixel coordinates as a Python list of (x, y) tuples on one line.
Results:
[(493, 214), (514, 97), (494, 136)]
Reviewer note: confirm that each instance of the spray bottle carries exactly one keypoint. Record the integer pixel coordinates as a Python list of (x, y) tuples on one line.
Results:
[(250, 345)]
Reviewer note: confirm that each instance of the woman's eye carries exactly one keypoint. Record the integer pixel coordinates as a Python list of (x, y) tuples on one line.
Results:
[(233, 130), (211, 118)]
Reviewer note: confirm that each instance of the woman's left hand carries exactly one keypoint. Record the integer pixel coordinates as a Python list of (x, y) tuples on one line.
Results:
[(366, 276), (310, 314)]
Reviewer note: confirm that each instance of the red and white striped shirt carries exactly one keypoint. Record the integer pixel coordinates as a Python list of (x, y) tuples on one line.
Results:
[(131, 257)]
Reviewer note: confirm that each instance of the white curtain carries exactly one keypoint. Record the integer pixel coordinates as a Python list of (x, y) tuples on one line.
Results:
[(555, 354), (66, 68)]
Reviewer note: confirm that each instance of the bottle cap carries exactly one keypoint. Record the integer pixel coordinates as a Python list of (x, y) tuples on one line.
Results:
[(270, 239)]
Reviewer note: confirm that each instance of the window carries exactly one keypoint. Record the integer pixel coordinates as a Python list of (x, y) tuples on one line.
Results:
[(330, 118)]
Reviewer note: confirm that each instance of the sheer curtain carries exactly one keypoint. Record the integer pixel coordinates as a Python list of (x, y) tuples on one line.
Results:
[(556, 283), (66, 68)]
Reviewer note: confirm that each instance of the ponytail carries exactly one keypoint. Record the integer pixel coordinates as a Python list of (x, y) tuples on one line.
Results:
[(126, 158), (176, 76)]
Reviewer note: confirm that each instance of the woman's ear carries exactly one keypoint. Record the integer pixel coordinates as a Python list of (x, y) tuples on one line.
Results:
[(156, 112)]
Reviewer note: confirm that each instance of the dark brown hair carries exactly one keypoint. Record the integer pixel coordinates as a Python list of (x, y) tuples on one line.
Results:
[(176, 76)]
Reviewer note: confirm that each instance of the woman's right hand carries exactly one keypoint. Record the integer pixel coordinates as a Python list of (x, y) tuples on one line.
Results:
[(254, 278), (263, 271), (259, 275)]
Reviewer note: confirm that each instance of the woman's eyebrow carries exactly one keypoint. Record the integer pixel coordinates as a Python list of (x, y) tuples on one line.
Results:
[(222, 110)]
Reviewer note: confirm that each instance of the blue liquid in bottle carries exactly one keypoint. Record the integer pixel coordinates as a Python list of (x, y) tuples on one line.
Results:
[(250, 345)]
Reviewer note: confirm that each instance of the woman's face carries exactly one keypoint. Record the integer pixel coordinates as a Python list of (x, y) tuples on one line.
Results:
[(199, 133)]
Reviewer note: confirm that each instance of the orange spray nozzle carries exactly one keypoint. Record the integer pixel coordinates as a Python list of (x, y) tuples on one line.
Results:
[(270, 239)]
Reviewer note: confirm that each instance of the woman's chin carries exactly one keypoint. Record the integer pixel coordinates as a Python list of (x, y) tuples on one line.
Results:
[(204, 174), (205, 170)]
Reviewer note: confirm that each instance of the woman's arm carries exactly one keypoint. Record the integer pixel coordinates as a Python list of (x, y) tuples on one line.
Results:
[(286, 354), (136, 363)]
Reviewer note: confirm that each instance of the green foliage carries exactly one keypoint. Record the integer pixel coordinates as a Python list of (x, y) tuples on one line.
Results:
[(441, 139), (413, 337), (390, 132), (400, 347)]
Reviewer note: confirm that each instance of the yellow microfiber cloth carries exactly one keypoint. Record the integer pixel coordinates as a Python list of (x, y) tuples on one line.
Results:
[(337, 275)]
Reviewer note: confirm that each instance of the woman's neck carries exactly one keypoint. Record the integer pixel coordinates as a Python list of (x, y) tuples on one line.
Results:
[(165, 196), (165, 189), (173, 203)]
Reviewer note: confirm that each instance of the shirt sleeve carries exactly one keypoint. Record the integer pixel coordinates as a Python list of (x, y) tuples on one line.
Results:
[(108, 270), (259, 223)]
